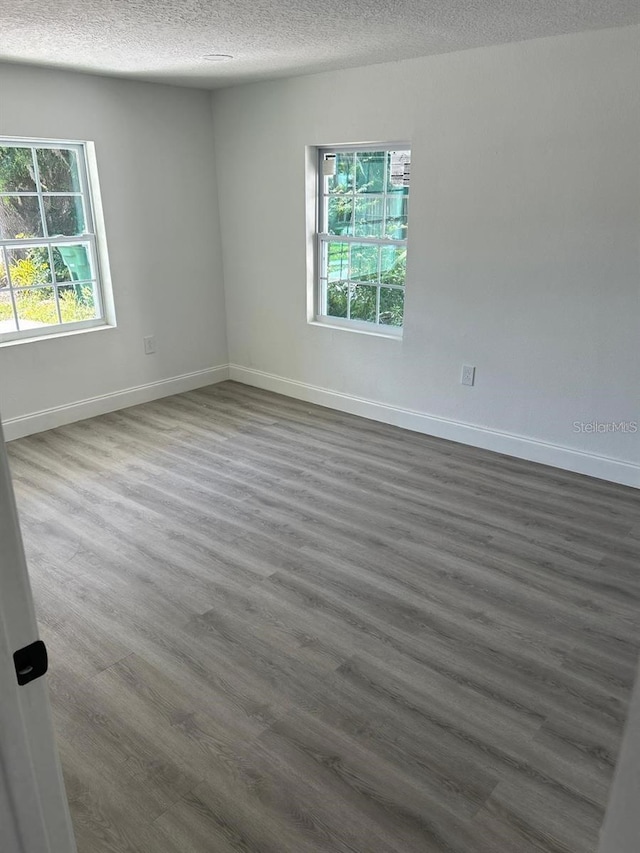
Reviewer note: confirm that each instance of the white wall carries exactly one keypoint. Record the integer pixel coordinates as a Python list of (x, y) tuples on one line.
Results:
[(523, 243), (154, 152)]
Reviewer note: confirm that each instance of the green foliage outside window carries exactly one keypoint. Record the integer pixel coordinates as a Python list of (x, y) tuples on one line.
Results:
[(365, 281), (38, 305), (29, 175)]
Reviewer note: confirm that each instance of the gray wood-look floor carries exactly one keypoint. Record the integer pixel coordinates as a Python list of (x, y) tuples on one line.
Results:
[(278, 628)]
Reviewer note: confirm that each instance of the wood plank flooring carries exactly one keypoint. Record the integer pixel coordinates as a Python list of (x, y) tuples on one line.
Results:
[(275, 628)]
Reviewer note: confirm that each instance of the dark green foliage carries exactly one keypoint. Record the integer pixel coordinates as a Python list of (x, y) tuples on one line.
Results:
[(20, 216), (58, 169), (337, 296), (391, 306), (17, 172)]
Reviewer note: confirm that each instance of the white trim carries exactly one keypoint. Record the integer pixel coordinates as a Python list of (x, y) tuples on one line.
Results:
[(31, 787), (89, 408), (565, 458), (54, 330), (593, 465), (80, 330), (393, 333)]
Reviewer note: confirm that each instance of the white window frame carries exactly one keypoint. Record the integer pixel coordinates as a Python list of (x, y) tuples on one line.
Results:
[(89, 237), (323, 238)]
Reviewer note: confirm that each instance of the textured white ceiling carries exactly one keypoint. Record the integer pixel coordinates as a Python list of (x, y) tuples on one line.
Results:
[(165, 40)]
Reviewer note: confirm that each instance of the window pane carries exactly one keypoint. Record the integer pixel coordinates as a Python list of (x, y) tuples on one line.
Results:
[(363, 303), (365, 201), (398, 172), (342, 181), (16, 170), (36, 307), (393, 266), (337, 260), (20, 217), (78, 302), (337, 294), (58, 168), (72, 262), (391, 306), (369, 217), (28, 267), (7, 319), (396, 217), (364, 262), (65, 215), (370, 166), (340, 212)]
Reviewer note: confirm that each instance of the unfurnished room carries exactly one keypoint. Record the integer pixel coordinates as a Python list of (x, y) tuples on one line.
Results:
[(320, 392)]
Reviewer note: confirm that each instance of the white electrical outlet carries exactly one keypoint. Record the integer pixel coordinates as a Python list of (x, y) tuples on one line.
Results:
[(468, 375), (149, 344)]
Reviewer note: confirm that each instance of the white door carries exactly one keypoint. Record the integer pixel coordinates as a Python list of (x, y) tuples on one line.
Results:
[(34, 814)]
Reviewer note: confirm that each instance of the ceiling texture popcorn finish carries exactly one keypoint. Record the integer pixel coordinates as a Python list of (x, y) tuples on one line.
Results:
[(166, 41)]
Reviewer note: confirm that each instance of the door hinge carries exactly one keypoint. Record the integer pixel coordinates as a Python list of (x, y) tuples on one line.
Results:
[(31, 662)]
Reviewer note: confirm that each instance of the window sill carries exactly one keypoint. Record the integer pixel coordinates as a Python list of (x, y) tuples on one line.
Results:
[(66, 333), (391, 333)]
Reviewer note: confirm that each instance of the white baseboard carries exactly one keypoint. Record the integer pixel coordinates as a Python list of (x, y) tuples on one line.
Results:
[(89, 408), (602, 467)]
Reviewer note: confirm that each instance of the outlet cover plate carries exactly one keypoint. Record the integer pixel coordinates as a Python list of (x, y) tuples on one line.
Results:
[(468, 375)]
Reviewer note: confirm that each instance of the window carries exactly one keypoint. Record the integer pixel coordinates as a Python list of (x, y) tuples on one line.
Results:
[(48, 260), (362, 240)]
